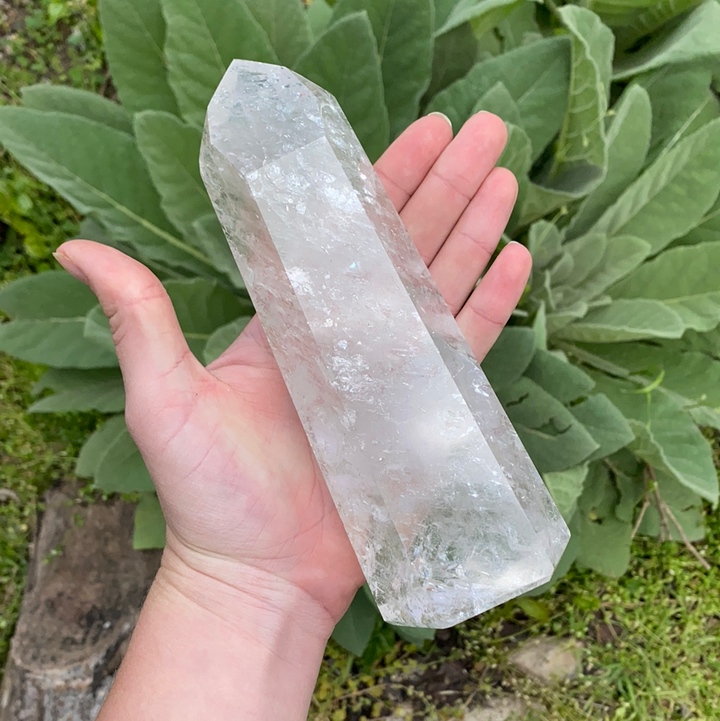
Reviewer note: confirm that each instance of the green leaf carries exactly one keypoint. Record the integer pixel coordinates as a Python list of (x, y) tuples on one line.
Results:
[(566, 487), (544, 244), (89, 390), (483, 14), (557, 320), (202, 306), (403, 31), (223, 337), (133, 39), (286, 24), (75, 101), (52, 294), (520, 27), (582, 138), (57, 342), (63, 150), (443, 8), (417, 636), (355, 628), (517, 158), (97, 328), (628, 140), (510, 356), (345, 62), (651, 18), (588, 254), (708, 229), (695, 38), (149, 530), (171, 150), (210, 239), (622, 255), (121, 468), (680, 98), (453, 56), (692, 379), (605, 423), (558, 376), (318, 15), (550, 433), (96, 446), (537, 77), (499, 101), (693, 293), (665, 435), (605, 545), (626, 320), (203, 38), (672, 195)]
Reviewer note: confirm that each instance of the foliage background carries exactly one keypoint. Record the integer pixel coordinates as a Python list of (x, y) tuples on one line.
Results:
[(612, 361)]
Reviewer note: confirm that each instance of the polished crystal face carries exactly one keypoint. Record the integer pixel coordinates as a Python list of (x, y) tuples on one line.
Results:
[(442, 504)]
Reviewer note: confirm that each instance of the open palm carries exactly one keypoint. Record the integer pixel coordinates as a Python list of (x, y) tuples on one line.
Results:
[(231, 463)]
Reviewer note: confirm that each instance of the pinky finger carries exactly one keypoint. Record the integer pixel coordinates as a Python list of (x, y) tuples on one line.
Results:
[(489, 307)]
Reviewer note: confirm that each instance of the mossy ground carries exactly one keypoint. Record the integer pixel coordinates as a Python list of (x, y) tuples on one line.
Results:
[(650, 648)]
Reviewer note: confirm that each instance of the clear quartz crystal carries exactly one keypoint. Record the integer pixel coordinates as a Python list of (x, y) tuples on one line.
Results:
[(442, 504)]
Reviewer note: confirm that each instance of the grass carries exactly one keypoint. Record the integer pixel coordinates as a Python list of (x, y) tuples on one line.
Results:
[(649, 650)]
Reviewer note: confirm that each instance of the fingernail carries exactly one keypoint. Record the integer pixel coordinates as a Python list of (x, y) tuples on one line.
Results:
[(70, 266), (443, 116)]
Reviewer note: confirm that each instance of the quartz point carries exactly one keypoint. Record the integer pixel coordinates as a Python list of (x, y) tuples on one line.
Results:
[(443, 506)]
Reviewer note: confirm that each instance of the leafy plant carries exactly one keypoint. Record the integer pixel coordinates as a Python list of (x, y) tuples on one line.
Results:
[(613, 361)]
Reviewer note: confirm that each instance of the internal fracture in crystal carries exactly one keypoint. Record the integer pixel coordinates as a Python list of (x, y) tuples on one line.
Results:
[(441, 503)]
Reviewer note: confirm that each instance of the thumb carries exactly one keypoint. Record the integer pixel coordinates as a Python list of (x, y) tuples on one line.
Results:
[(150, 345)]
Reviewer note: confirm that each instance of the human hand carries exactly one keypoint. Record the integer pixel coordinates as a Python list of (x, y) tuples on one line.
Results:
[(244, 501)]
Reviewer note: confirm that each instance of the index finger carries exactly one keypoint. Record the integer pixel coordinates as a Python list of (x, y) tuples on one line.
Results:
[(404, 165)]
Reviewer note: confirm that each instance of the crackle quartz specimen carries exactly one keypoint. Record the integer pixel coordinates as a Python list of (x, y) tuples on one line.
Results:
[(442, 504)]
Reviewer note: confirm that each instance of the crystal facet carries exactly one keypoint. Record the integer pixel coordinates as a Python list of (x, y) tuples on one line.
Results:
[(442, 504)]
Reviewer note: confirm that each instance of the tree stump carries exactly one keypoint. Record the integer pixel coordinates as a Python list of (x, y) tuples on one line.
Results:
[(84, 590)]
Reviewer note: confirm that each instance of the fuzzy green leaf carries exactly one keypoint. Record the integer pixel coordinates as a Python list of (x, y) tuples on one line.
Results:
[(223, 337), (286, 24), (319, 14), (558, 377), (695, 38), (483, 14), (121, 468), (355, 628), (64, 151), (622, 255), (203, 38), (453, 56), (209, 238), (171, 149), (499, 101), (403, 31), (626, 320), (75, 101), (672, 195), (537, 77), (99, 390), (203, 306), (97, 328), (685, 279), (57, 342), (605, 423), (97, 445), (544, 244), (133, 40), (52, 294), (582, 138), (588, 255), (665, 435), (550, 433), (708, 230), (149, 528), (628, 139), (510, 356), (605, 545), (682, 103), (566, 487), (346, 63)]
